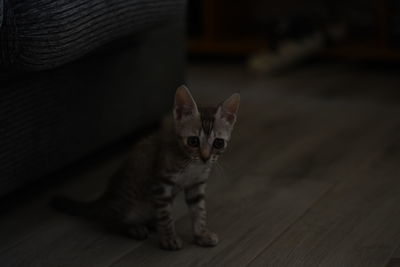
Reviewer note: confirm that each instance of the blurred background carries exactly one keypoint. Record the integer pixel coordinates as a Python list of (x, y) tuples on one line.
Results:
[(274, 34)]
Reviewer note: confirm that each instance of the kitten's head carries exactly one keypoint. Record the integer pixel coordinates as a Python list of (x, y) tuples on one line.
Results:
[(203, 132)]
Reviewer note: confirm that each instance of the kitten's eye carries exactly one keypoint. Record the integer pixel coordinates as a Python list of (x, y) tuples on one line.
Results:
[(193, 141), (219, 143)]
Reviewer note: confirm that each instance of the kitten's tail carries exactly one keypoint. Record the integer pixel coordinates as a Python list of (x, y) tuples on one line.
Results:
[(74, 207)]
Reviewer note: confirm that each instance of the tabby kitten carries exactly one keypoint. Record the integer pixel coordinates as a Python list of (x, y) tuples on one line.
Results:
[(178, 157)]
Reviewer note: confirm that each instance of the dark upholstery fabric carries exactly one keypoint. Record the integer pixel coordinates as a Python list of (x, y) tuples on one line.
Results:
[(1, 12), (52, 118), (43, 34)]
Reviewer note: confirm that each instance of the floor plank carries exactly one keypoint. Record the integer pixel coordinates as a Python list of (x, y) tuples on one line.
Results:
[(394, 260), (354, 224), (310, 179), (31, 231)]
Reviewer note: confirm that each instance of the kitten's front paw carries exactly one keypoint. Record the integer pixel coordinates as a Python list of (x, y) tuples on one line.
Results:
[(207, 239), (171, 243)]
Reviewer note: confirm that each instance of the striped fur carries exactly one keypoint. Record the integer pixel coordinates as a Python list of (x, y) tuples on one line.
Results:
[(207, 116), (142, 192)]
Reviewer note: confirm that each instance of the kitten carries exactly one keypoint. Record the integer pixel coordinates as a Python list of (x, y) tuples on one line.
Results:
[(178, 157)]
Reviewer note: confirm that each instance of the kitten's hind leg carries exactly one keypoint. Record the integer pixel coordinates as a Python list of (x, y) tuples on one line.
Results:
[(138, 231), (136, 221)]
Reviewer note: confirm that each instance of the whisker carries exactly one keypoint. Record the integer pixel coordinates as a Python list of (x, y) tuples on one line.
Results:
[(221, 171)]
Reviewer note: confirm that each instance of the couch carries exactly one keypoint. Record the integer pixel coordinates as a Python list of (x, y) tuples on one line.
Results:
[(78, 75)]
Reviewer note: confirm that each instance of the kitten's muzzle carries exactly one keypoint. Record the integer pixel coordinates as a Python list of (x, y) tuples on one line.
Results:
[(205, 154)]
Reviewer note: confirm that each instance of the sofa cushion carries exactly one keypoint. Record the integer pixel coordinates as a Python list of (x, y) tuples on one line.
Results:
[(42, 34), (1, 12)]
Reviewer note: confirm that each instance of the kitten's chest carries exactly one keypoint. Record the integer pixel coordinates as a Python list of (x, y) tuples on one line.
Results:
[(193, 173)]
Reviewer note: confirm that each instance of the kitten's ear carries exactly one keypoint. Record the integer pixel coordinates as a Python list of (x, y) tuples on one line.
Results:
[(184, 106), (228, 109)]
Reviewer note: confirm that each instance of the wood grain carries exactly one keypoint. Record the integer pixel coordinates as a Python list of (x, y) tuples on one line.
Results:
[(310, 178), (356, 223)]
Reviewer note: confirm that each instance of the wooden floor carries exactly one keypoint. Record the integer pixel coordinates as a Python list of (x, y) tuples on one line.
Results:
[(311, 178)]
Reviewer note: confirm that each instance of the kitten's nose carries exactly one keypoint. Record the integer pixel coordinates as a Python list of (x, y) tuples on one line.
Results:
[(204, 159), (205, 154)]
